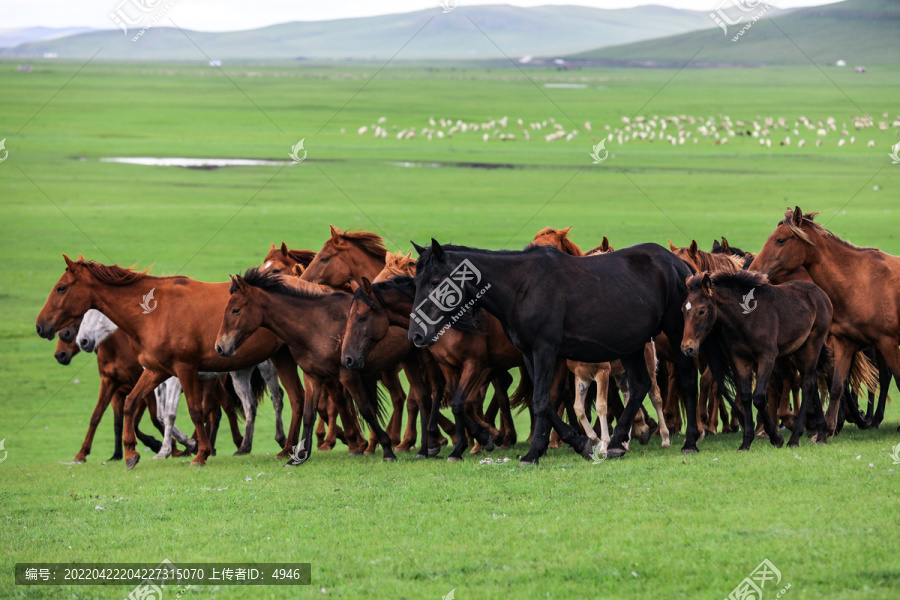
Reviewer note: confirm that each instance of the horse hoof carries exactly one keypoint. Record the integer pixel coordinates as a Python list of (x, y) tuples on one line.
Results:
[(160, 456), (198, 463), (404, 448), (78, 460), (822, 439), (528, 463), (453, 459), (690, 450), (133, 461), (113, 458), (389, 459), (280, 440), (241, 452), (489, 447), (666, 443), (744, 449), (778, 442), (421, 456), (587, 451), (615, 452)]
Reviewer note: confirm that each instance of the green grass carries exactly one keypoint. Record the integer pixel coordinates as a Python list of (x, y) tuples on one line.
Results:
[(686, 526)]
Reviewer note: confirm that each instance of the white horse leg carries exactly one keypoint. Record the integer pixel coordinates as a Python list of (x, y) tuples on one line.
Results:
[(622, 382), (267, 370), (581, 390), (164, 413), (602, 379), (241, 381)]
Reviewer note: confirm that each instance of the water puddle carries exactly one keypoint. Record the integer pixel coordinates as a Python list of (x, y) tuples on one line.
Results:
[(197, 163)]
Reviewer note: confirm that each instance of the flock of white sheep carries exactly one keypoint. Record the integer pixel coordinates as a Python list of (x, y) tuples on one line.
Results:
[(674, 130)]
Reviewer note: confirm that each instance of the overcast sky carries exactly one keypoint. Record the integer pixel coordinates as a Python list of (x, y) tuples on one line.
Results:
[(226, 15)]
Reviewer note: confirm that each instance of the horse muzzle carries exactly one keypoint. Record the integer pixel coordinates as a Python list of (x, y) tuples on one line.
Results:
[(63, 357), (350, 362), (225, 348), (45, 331), (689, 349)]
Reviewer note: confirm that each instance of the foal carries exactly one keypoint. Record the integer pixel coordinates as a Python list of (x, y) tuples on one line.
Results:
[(753, 323)]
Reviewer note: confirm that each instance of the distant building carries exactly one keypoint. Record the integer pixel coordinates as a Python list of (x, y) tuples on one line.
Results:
[(859, 69), (841, 63)]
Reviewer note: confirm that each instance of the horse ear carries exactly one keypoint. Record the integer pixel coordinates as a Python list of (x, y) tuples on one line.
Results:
[(436, 249), (716, 245), (725, 246), (388, 257), (366, 286), (354, 285), (604, 245), (335, 232), (418, 248), (284, 249), (242, 285), (693, 249), (706, 285), (797, 216), (672, 246), (298, 270), (70, 264), (565, 232), (272, 247)]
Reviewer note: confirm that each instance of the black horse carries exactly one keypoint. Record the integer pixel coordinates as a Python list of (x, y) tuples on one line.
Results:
[(554, 306)]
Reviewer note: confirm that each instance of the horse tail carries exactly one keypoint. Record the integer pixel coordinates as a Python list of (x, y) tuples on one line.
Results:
[(377, 396), (718, 358), (522, 397), (258, 385), (824, 367), (234, 399), (863, 372)]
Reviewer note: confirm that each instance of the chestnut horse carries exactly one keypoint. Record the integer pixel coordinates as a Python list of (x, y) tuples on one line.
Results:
[(312, 322), (282, 260), (601, 372), (784, 321), (350, 255), (175, 332), (862, 283)]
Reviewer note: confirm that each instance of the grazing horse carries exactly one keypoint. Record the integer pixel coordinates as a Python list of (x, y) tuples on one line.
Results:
[(862, 283), (175, 335), (790, 320), (538, 295), (587, 372), (311, 321)]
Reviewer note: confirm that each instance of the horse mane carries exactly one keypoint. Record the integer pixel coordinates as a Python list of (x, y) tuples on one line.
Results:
[(808, 220), (568, 246), (112, 274), (303, 257), (402, 265), (370, 243), (707, 261), (401, 283), (729, 279), (275, 283), (426, 258)]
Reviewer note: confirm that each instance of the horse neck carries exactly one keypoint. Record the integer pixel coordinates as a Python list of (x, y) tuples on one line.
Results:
[(398, 304), (828, 267), (495, 271), (366, 265), (120, 304), (730, 314)]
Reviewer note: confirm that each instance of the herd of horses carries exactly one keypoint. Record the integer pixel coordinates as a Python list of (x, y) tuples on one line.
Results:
[(709, 335)]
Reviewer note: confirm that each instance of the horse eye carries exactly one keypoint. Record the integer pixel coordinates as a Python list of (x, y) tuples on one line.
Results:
[(325, 259), (780, 241), (235, 311), (276, 271), (61, 289), (702, 311)]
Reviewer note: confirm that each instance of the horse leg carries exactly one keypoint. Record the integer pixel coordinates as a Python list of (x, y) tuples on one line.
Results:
[(320, 434), (761, 400), (843, 356), (301, 453), (418, 392), (212, 414), (471, 380), (410, 435), (226, 403), (148, 440), (287, 373), (638, 386), (364, 393), (541, 365), (601, 403), (745, 391), (244, 389), (107, 389), (147, 382), (270, 376), (118, 405), (162, 409), (398, 400), (884, 383), (807, 358), (655, 395)]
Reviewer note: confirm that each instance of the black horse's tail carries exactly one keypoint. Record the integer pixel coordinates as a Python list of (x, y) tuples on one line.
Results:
[(720, 363), (234, 399), (258, 386), (377, 396)]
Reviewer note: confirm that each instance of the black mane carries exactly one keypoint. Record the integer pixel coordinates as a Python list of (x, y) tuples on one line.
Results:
[(274, 282)]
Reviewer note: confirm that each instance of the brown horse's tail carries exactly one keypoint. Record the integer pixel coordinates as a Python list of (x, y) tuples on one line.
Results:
[(522, 397), (863, 372), (824, 370)]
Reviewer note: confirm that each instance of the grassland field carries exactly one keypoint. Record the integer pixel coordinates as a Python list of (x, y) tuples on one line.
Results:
[(653, 525)]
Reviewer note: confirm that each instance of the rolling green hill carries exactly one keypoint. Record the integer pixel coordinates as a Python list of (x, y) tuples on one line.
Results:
[(514, 31), (857, 31)]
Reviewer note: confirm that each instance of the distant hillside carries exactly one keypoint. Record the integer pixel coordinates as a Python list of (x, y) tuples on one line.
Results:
[(22, 35), (541, 31), (857, 31)]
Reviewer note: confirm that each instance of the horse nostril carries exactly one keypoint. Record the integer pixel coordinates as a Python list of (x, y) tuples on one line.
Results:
[(38, 329), (219, 349)]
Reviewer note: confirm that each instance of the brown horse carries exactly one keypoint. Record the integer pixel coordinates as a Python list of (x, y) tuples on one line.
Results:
[(169, 316), (312, 322), (282, 260), (350, 255), (862, 283), (743, 321), (601, 372)]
